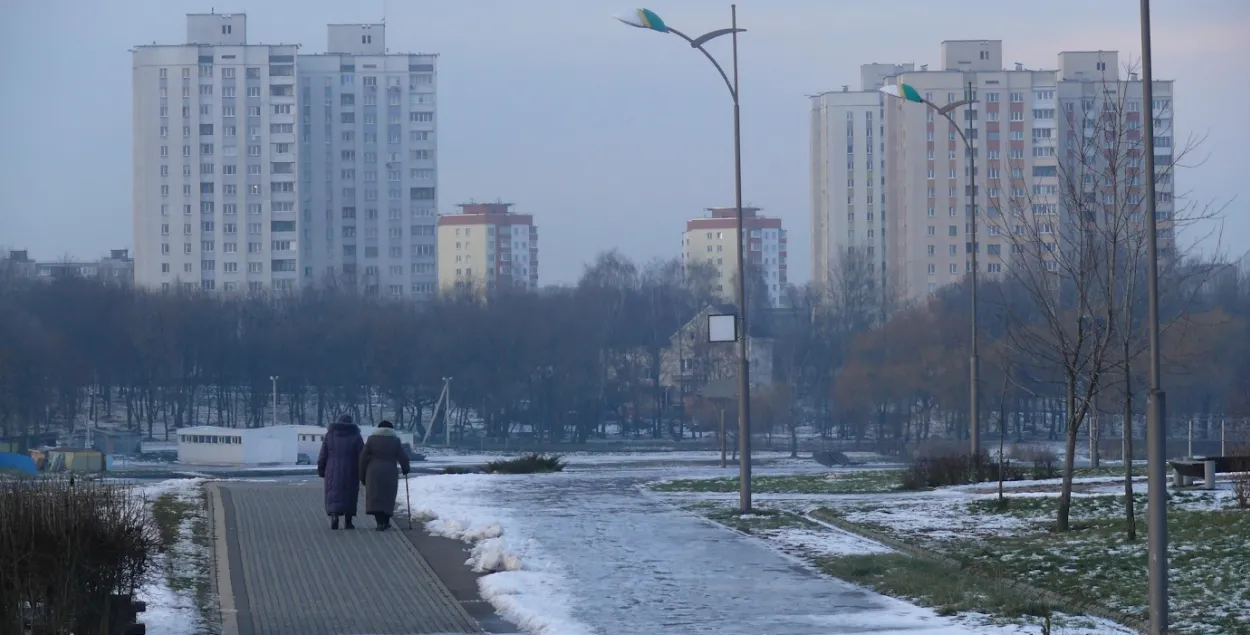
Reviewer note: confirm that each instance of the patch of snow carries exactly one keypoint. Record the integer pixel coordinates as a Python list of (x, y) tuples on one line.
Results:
[(829, 541), (168, 611), (525, 586)]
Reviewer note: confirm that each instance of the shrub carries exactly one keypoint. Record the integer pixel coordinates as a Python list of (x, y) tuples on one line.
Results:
[(956, 469), (68, 552), (1241, 480), (528, 464), (1241, 489), (1045, 461)]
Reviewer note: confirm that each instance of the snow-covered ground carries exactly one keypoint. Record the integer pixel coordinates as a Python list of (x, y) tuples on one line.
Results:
[(435, 456), (584, 552), (172, 611)]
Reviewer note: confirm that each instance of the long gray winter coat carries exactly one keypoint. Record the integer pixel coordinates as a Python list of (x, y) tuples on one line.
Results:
[(339, 463), (381, 462)]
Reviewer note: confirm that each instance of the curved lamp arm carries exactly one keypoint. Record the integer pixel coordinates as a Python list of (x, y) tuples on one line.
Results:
[(646, 19), (698, 43)]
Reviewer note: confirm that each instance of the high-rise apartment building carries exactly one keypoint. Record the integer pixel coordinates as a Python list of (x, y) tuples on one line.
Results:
[(487, 246), (713, 239), (257, 168), (368, 178), (214, 160), (1035, 134), (848, 175)]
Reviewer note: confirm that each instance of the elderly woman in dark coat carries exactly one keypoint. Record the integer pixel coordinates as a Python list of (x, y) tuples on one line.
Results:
[(382, 461), (338, 463)]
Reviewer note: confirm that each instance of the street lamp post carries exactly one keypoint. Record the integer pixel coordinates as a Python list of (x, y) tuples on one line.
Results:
[(646, 19), (274, 380), (1156, 403), (903, 91)]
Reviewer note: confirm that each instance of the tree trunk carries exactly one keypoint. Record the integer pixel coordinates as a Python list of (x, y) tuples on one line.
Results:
[(1065, 493), (794, 439), (1130, 522)]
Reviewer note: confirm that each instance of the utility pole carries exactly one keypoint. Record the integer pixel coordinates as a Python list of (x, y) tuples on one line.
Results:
[(1156, 402), (974, 358)]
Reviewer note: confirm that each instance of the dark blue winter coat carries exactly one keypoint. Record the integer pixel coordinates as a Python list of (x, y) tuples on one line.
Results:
[(339, 465)]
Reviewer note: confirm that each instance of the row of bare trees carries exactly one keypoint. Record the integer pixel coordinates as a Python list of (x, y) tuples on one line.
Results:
[(555, 365)]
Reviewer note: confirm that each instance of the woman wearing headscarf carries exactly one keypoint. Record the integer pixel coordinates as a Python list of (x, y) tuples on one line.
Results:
[(382, 461), (338, 464)]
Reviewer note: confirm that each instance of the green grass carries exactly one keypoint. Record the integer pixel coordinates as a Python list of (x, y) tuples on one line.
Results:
[(856, 482), (188, 554), (169, 511), (934, 585), (1209, 556), (1139, 469), (760, 521), (852, 482)]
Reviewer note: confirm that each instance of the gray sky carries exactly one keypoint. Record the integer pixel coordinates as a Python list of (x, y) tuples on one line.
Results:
[(610, 136)]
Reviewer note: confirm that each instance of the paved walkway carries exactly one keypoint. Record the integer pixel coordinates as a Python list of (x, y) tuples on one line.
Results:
[(282, 571)]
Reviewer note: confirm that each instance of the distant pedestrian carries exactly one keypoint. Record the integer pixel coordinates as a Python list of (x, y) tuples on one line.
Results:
[(338, 464), (382, 462)]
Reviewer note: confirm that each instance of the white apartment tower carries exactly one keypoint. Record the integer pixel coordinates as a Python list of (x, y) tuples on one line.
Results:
[(368, 176), (214, 161), (1029, 130), (848, 175), (260, 169)]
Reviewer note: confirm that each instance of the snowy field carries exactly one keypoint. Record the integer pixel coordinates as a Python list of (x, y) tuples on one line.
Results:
[(590, 551), (170, 592)]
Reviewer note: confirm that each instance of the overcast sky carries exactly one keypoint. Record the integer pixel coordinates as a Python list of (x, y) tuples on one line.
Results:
[(610, 136)]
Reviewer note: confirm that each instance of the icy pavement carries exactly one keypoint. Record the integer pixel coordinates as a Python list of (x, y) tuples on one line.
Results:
[(587, 552)]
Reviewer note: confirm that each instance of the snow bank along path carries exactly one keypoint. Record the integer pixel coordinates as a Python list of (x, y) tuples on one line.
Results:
[(534, 598)]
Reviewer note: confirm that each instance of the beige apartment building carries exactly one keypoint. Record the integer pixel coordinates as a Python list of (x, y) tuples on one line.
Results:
[(714, 239), (487, 246), (1029, 130)]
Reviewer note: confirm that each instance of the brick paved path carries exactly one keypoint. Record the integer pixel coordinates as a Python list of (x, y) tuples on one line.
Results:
[(282, 571)]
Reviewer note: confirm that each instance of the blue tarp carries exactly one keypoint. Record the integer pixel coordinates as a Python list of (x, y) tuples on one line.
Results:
[(18, 462)]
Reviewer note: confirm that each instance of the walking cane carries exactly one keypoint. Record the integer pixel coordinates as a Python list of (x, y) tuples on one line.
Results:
[(408, 501)]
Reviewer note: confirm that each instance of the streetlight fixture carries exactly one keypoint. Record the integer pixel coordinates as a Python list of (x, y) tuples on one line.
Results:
[(647, 19), (1156, 402), (906, 92), (274, 380)]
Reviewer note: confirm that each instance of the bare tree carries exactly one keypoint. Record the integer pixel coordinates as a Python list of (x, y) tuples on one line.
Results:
[(1075, 233)]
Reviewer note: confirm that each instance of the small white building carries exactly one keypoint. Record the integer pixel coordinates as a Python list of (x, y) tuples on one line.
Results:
[(212, 445), (272, 445), (310, 438)]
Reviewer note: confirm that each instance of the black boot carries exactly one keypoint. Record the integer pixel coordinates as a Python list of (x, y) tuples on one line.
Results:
[(347, 522), (334, 521)]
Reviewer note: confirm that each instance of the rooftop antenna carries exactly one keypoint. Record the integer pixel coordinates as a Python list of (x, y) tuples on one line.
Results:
[(383, 11)]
